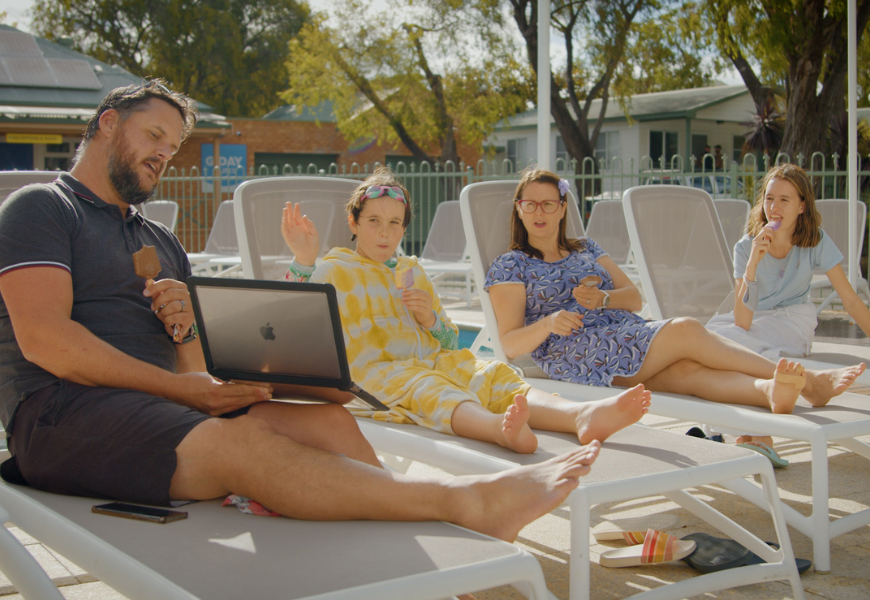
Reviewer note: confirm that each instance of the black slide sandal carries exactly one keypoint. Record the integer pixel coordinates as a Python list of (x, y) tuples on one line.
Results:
[(715, 553)]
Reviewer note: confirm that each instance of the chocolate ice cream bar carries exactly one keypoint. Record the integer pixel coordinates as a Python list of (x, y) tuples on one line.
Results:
[(146, 262)]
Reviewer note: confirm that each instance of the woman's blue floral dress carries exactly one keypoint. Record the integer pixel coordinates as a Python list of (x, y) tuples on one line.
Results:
[(611, 343)]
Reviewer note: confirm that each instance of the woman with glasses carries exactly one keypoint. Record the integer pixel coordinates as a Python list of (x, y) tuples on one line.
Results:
[(403, 348), (569, 305)]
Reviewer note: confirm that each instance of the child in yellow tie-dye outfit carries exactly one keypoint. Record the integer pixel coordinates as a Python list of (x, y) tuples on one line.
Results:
[(403, 348)]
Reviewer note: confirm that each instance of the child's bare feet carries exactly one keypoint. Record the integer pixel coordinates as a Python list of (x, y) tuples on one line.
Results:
[(785, 387), (824, 385), (600, 419), (501, 504), (755, 439), (515, 431)]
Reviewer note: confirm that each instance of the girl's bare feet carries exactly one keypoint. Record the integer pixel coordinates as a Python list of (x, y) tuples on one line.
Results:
[(784, 389), (600, 419), (503, 503), (515, 431), (755, 439), (824, 385)]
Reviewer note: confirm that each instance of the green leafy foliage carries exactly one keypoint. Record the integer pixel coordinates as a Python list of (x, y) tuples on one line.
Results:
[(227, 53), (424, 73), (613, 49), (794, 53)]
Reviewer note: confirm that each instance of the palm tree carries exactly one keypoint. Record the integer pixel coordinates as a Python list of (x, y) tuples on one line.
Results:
[(764, 133)]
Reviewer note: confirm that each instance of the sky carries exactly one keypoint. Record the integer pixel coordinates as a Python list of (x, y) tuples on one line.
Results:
[(18, 11)]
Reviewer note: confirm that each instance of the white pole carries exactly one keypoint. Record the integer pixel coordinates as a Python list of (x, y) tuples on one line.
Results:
[(544, 83), (853, 144)]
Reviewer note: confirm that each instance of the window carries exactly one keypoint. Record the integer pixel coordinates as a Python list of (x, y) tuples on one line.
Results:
[(516, 153), (737, 152), (663, 144), (562, 153), (607, 147), (56, 157)]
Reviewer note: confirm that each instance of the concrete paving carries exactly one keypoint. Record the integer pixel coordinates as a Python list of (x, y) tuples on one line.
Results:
[(548, 537)]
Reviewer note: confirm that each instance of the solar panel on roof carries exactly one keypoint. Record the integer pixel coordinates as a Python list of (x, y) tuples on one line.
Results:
[(29, 71), (73, 73), (17, 43), (47, 73)]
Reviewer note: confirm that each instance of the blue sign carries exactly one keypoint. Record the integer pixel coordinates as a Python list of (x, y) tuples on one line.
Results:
[(233, 166)]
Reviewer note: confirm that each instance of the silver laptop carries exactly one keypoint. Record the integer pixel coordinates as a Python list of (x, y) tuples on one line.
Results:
[(277, 332)]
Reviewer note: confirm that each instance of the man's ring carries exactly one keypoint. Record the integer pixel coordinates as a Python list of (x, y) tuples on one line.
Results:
[(182, 305)]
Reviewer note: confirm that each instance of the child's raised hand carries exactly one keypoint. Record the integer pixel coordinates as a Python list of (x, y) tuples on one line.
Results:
[(300, 234), (420, 304)]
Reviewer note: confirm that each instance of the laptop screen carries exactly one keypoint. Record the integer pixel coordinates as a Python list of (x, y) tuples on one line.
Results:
[(281, 332)]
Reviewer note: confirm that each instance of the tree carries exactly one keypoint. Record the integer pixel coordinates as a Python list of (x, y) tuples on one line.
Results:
[(796, 50), (428, 73), (619, 47), (227, 53)]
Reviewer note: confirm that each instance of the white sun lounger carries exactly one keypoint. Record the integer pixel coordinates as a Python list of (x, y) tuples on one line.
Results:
[(445, 254), (487, 229), (219, 553), (658, 223), (11, 181), (634, 463), (654, 472), (258, 206), (847, 417)]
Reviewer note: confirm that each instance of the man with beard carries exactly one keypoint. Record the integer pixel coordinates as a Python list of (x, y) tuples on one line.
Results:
[(97, 399)]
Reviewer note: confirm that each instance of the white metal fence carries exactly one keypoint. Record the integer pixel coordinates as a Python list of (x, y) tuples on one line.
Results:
[(198, 196)]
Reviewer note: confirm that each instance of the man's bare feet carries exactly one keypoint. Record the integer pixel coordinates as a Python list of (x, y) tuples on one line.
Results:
[(600, 419), (824, 385), (784, 389), (515, 431), (503, 503)]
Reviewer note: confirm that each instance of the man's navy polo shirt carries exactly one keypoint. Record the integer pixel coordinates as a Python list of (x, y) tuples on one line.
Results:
[(65, 225)]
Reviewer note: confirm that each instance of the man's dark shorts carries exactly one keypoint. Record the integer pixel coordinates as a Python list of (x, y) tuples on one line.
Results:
[(100, 442)]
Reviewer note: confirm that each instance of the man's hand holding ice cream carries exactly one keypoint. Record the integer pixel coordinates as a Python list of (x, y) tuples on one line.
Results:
[(170, 299)]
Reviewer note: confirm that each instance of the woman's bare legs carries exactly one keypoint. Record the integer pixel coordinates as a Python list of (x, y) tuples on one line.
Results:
[(592, 420), (685, 339), (693, 378), (510, 430)]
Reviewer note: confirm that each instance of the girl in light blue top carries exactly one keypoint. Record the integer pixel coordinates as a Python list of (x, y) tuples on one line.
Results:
[(773, 269)]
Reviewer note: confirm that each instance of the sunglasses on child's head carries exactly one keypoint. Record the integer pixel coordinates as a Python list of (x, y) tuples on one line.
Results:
[(376, 191)]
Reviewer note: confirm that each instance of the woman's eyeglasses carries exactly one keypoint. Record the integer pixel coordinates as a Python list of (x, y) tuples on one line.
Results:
[(376, 191), (530, 206)]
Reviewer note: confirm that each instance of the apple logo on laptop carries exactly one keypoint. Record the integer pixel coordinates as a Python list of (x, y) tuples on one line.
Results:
[(267, 332)]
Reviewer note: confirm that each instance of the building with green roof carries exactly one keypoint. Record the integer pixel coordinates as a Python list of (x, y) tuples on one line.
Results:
[(48, 91), (678, 123)]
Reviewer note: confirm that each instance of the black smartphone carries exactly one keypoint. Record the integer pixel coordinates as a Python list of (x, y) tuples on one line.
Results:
[(142, 513)]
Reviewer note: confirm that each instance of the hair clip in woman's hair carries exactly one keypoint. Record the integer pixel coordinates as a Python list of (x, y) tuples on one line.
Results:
[(564, 186)]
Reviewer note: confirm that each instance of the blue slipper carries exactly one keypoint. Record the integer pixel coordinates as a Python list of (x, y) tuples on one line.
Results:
[(803, 565), (770, 453), (714, 553)]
